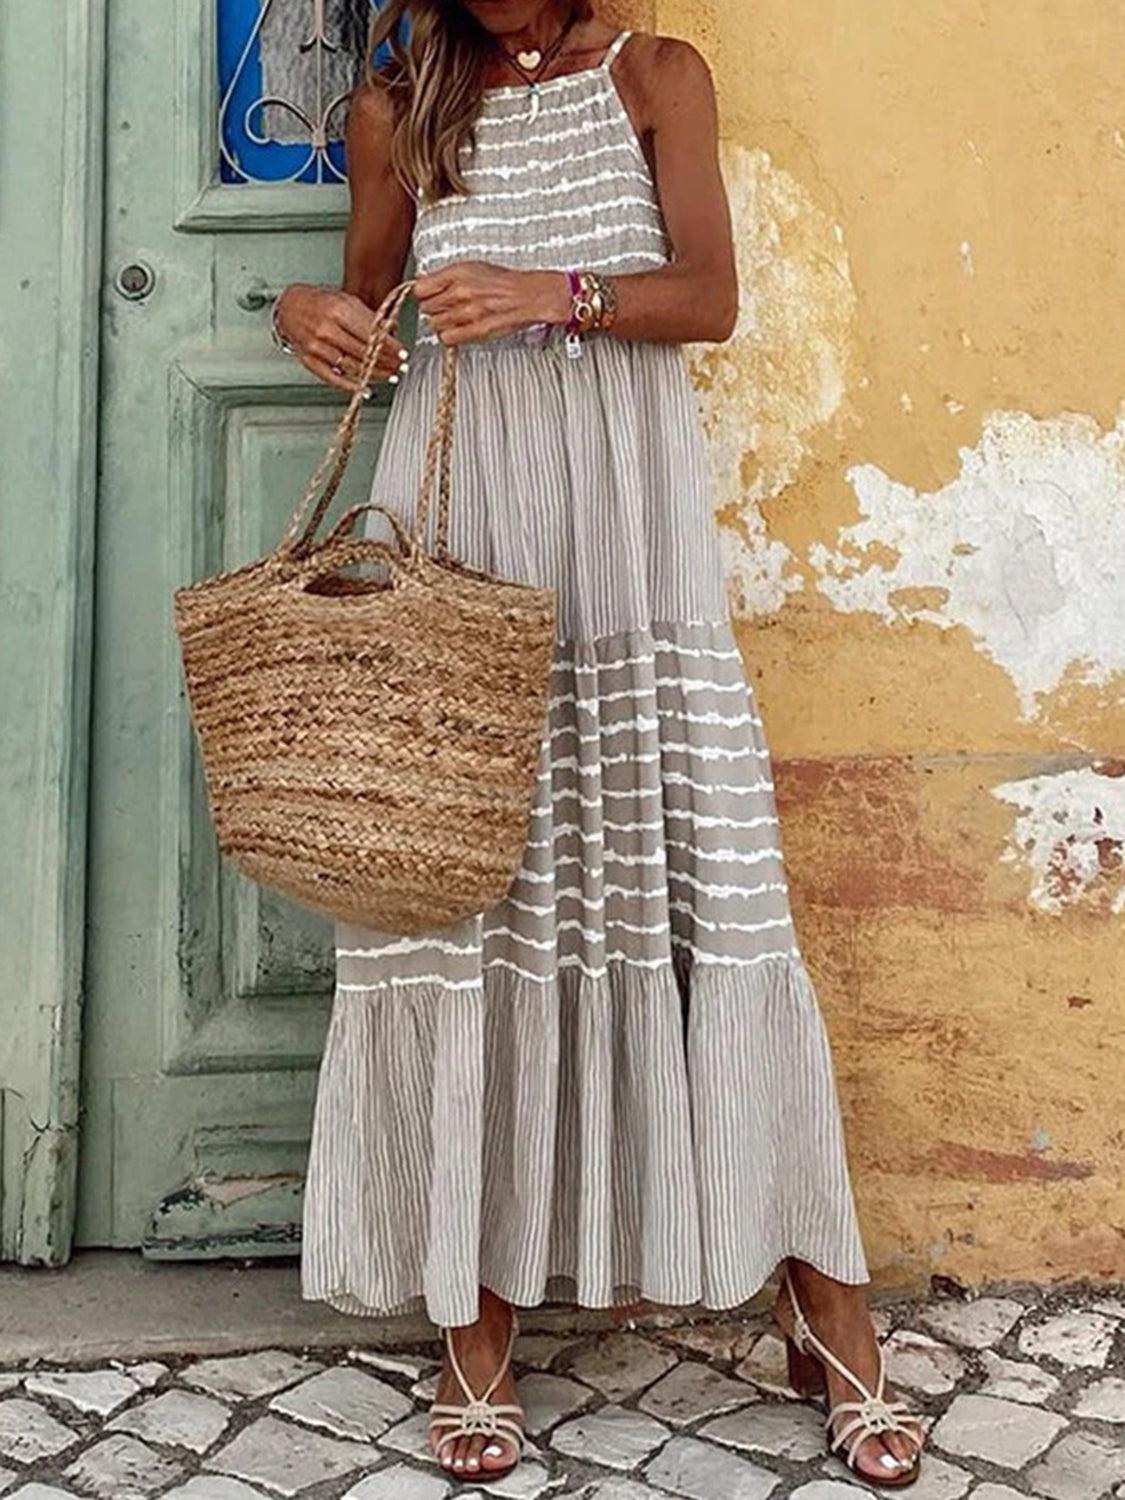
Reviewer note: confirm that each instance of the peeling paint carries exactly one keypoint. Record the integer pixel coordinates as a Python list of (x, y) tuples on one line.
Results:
[(955, 1159), (783, 374), (1070, 834), (1025, 544)]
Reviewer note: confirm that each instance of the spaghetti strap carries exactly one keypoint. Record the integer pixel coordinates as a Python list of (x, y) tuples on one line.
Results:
[(614, 48)]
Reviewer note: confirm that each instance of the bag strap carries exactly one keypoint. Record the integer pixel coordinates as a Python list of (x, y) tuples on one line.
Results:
[(297, 539)]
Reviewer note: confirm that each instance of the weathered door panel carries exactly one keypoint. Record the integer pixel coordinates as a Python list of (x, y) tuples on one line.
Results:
[(51, 87), (208, 996)]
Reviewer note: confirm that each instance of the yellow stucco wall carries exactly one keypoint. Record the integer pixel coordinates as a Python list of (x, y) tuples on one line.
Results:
[(919, 448)]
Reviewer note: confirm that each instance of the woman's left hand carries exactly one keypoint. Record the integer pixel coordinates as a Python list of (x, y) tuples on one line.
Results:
[(473, 299)]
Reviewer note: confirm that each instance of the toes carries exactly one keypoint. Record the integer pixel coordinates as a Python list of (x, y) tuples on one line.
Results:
[(874, 1460), (442, 1451), (498, 1453), (901, 1447), (472, 1454)]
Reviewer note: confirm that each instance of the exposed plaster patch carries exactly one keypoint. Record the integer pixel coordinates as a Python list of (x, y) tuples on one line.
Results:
[(783, 373), (1070, 833), (1025, 544)]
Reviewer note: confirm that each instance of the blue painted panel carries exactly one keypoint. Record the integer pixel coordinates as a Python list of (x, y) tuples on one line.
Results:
[(246, 153)]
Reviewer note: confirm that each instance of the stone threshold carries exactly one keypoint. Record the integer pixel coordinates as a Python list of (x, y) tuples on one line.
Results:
[(112, 1304)]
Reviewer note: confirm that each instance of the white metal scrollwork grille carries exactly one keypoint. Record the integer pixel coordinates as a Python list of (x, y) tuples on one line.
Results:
[(285, 75)]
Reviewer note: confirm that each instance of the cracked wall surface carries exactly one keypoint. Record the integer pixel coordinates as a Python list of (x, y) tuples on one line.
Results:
[(917, 442)]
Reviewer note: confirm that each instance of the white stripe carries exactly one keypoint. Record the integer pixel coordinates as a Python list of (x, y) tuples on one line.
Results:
[(434, 228), (589, 235), (555, 189)]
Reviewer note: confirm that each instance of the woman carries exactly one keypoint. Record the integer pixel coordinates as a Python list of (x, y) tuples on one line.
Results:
[(615, 1084)]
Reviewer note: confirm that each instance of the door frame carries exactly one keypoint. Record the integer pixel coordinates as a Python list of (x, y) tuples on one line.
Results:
[(51, 198)]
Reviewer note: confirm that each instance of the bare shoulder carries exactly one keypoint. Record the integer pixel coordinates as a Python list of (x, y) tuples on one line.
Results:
[(371, 111), (666, 72)]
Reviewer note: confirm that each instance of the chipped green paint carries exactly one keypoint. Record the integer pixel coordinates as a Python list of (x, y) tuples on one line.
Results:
[(51, 79)]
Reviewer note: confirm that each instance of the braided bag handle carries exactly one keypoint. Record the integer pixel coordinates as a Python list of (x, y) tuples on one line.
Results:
[(297, 539)]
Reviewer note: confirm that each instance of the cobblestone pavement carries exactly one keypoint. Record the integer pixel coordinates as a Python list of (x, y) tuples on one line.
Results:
[(1024, 1394)]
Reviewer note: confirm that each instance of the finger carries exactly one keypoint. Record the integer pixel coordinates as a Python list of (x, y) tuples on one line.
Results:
[(324, 371), (386, 366), (349, 366), (433, 282), (348, 346), (354, 316)]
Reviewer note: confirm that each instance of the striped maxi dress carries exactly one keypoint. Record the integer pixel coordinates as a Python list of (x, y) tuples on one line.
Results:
[(616, 1083)]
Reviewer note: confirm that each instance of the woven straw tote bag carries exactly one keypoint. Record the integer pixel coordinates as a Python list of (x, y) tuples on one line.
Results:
[(370, 740)]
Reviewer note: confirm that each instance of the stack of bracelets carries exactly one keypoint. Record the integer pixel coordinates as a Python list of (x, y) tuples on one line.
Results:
[(593, 305)]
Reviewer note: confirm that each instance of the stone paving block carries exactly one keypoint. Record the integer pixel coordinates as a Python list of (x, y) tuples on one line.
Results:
[(100, 1391), (828, 1489), (345, 1402), (41, 1492), (214, 1487), (425, 1390), (411, 1365), (28, 1433), (694, 1470), (1014, 1380), (410, 1437), (1081, 1466), (612, 1437), (245, 1377), (9, 1381), (8, 1477), (121, 1468), (181, 1419), (1112, 1307), (1075, 1339), (399, 1482), (147, 1374), (284, 1457), (693, 1391), (977, 1324), (621, 1365), (537, 1351), (1104, 1400), (921, 1363), (547, 1399), (766, 1366), (728, 1342), (621, 1489), (785, 1431), (1005, 1433), (990, 1491), (937, 1479), (527, 1481)]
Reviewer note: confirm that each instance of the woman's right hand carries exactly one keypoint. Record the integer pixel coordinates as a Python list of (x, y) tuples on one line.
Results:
[(329, 330)]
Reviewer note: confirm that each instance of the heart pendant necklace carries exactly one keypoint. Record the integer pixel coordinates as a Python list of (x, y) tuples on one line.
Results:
[(532, 62)]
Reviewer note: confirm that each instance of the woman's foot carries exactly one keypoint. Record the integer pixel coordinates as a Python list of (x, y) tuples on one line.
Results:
[(839, 1317), (480, 1349)]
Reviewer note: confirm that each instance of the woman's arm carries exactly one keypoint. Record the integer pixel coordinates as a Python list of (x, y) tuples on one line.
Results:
[(327, 325), (670, 96)]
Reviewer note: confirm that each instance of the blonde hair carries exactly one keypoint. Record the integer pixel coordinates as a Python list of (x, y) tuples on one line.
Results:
[(436, 82)]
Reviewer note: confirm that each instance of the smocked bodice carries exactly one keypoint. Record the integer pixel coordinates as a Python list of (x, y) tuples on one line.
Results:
[(558, 185)]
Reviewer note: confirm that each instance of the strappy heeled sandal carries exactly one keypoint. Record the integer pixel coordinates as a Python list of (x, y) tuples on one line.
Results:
[(477, 1416), (872, 1416)]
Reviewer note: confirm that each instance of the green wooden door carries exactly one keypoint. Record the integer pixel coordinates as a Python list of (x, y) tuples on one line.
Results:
[(207, 996)]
